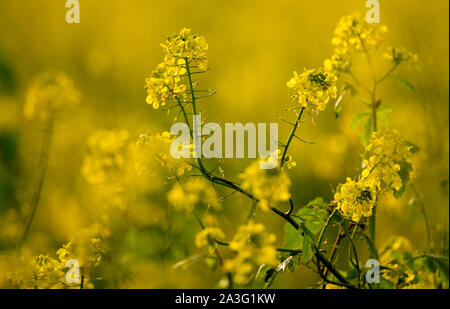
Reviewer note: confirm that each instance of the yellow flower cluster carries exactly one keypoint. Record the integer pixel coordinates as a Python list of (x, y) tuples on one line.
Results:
[(105, 157), (194, 191), (47, 272), (355, 199), (382, 159), (50, 92), (353, 34), (166, 82), (268, 185), (185, 45), (254, 247), (399, 55), (40, 272), (153, 151), (313, 88), (206, 236)]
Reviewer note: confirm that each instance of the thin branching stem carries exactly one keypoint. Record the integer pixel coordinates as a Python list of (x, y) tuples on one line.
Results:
[(233, 185), (291, 136)]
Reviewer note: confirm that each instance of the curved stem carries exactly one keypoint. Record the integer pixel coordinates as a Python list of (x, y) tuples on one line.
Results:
[(351, 248), (322, 232)]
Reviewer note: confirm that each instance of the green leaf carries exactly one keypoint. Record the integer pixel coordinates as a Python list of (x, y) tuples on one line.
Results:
[(443, 267), (314, 217), (404, 173), (290, 261), (292, 237), (319, 202), (308, 248), (405, 82), (385, 284), (363, 120), (293, 264), (357, 120), (366, 132), (382, 114), (385, 109)]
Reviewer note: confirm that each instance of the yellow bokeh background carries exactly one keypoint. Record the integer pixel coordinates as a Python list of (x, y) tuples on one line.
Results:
[(253, 48)]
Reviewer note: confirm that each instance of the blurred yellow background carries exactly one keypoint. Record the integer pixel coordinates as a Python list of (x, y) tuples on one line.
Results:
[(253, 48)]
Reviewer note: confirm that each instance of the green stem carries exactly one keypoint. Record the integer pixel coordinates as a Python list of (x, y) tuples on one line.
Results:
[(374, 104), (42, 171), (291, 136), (322, 232), (352, 247), (424, 215)]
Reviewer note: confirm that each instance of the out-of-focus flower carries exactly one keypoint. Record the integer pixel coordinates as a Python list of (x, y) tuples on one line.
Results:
[(253, 246), (194, 191), (268, 185), (153, 152), (313, 88), (50, 92), (399, 55), (105, 157), (352, 34), (47, 272), (392, 255), (207, 236)]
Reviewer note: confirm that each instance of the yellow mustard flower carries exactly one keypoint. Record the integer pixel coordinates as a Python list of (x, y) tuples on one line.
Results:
[(313, 88), (46, 272), (168, 80), (206, 236), (185, 45), (355, 199), (399, 55), (270, 186), (253, 247), (383, 157), (106, 156), (352, 34), (153, 152), (194, 191)]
